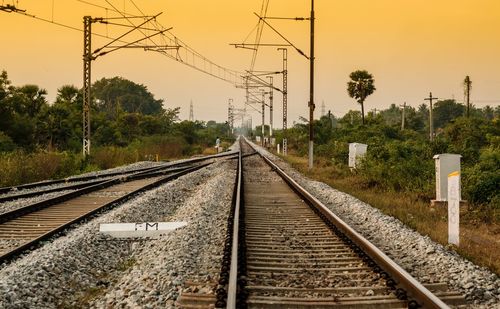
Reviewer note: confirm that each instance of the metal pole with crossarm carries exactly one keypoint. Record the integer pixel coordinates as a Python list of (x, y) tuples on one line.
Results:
[(311, 91), (431, 120)]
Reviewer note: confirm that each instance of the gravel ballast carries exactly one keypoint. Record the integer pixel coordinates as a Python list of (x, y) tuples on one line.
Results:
[(426, 260), (85, 268)]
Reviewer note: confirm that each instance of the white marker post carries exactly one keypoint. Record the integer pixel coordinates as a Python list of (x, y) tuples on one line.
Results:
[(278, 148), (454, 208)]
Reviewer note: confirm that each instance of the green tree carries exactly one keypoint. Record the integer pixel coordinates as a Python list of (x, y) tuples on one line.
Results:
[(360, 87), (445, 111), (392, 115), (117, 93)]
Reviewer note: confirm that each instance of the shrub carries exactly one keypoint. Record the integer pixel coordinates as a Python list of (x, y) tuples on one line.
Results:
[(482, 180), (18, 167), (6, 143)]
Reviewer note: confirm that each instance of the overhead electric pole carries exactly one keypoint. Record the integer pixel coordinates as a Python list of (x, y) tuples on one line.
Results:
[(467, 85), (230, 115), (263, 114), (311, 91), (431, 121), (87, 59), (191, 112), (403, 116), (285, 99), (271, 89), (89, 56)]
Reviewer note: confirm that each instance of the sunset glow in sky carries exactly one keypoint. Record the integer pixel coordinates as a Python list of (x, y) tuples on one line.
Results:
[(411, 47)]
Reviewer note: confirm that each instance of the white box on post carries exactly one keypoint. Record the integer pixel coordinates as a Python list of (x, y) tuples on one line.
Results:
[(446, 163), (356, 152)]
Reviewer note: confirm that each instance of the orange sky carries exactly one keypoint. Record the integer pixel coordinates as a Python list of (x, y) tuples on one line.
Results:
[(410, 46)]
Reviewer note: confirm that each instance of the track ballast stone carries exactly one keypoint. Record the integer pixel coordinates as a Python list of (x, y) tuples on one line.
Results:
[(84, 267)]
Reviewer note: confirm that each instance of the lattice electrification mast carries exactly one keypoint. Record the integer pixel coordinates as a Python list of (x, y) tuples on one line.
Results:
[(191, 112), (89, 56), (285, 99), (271, 90)]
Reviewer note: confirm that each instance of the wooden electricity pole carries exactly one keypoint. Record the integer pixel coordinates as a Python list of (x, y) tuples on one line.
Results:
[(403, 116), (431, 122), (467, 84)]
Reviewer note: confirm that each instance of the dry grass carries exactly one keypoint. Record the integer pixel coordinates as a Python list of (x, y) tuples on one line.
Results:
[(479, 242), (18, 167)]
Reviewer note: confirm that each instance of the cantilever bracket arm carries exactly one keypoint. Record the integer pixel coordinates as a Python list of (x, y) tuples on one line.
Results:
[(121, 36), (281, 35), (129, 44), (9, 8)]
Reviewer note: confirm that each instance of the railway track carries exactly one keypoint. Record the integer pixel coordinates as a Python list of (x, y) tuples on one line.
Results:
[(73, 183), (287, 250), (26, 227)]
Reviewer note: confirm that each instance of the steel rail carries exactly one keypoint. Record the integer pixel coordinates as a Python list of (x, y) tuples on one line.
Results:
[(415, 289), (85, 190), (35, 241), (233, 270), (90, 182), (67, 180), (85, 178)]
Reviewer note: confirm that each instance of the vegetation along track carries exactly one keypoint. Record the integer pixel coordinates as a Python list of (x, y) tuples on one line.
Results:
[(25, 227), (294, 253)]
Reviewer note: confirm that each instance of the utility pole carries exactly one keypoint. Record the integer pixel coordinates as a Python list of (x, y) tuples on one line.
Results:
[(311, 90), (191, 113), (322, 108), (331, 120), (431, 122), (285, 99), (467, 84), (271, 89), (87, 59), (230, 115), (403, 116), (263, 114), (89, 56)]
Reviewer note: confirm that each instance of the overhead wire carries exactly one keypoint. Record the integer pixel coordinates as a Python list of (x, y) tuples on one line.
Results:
[(263, 12), (170, 39)]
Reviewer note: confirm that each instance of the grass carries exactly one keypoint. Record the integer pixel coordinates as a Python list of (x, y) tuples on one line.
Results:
[(479, 241), (18, 167)]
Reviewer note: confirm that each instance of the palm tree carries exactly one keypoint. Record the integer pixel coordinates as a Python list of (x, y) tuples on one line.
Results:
[(359, 87)]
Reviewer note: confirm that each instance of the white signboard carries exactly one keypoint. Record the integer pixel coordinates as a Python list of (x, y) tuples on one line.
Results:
[(356, 152), (453, 208), (146, 229)]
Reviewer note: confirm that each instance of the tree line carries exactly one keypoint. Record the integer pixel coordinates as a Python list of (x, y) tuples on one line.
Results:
[(121, 112), (42, 140)]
